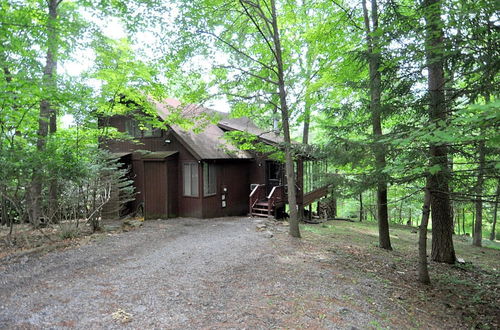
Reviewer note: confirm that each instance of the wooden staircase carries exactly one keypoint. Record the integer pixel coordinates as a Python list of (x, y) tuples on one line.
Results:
[(262, 209), (265, 206)]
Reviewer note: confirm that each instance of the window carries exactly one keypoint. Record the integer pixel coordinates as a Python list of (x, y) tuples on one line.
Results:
[(150, 131), (138, 131), (190, 175), (209, 179), (132, 128)]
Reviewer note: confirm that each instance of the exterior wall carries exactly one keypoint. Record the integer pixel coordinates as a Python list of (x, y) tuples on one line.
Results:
[(155, 189), (234, 177), (257, 171), (190, 206), (137, 171), (186, 206), (173, 191)]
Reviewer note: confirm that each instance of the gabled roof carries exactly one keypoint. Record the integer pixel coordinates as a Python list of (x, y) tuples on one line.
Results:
[(245, 124), (207, 141)]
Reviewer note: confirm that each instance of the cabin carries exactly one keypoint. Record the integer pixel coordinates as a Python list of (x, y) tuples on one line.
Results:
[(180, 172)]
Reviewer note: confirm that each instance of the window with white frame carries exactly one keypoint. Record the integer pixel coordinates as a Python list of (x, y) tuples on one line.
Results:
[(190, 175), (209, 179)]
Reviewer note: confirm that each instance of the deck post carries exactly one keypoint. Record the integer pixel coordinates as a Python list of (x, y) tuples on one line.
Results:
[(300, 186)]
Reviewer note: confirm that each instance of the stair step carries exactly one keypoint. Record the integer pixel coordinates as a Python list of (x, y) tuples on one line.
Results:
[(260, 208), (259, 215), (262, 204)]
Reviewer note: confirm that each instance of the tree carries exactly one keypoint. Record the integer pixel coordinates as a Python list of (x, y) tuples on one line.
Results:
[(251, 33), (423, 272), (290, 172), (47, 121), (478, 229), (495, 212), (36, 37), (442, 242), (374, 60)]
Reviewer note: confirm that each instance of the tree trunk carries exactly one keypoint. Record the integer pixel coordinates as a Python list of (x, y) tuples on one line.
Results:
[(423, 272), (478, 228), (463, 220), (47, 115), (307, 119), (458, 220), (495, 209), (375, 109), (290, 174), (473, 224), (361, 207), (401, 213), (442, 239), (334, 207), (305, 140)]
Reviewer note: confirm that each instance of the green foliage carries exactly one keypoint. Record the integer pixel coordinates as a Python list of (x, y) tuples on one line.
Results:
[(209, 48), (67, 162), (250, 142)]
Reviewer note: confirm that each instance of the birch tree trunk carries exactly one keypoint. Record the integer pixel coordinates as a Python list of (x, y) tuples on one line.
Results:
[(423, 271)]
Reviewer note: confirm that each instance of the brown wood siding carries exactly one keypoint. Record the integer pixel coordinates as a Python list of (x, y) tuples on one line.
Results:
[(258, 171), (155, 189), (185, 206), (234, 176), (190, 206), (173, 191), (138, 176)]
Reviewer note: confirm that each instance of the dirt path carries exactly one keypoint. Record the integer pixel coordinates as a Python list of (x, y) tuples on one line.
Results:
[(187, 273)]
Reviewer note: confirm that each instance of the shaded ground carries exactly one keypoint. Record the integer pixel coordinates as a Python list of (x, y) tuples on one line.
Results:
[(223, 273), (463, 294)]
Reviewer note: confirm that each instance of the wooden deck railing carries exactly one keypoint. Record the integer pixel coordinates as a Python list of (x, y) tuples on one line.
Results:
[(278, 197), (275, 197), (258, 193)]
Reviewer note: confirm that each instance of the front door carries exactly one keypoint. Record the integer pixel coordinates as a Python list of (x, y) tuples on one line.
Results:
[(274, 175), (155, 189)]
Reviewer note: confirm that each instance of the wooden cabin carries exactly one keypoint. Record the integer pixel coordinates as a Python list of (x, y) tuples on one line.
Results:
[(186, 173)]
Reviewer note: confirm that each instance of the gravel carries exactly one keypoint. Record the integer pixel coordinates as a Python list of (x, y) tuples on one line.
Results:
[(187, 273)]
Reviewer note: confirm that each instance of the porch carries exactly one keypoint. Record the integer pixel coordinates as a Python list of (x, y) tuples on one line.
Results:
[(270, 199)]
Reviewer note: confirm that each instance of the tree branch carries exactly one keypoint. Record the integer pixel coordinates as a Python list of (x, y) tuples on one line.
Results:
[(238, 50), (250, 74), (271, 48)]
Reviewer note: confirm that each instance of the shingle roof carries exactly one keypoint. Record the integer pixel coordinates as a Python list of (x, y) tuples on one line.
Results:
[(207, 142), (158, 155), (245, 124)]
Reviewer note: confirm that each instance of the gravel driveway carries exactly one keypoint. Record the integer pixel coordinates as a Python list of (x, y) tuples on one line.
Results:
[(186, 273)]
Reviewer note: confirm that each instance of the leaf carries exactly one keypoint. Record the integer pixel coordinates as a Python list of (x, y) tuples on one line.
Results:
[(434, 169)]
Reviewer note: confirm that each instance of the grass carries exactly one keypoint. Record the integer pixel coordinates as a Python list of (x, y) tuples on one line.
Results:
[(365, 235), (466, 291)]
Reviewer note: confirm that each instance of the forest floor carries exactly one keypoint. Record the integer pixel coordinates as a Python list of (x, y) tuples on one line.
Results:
[(245, 273)]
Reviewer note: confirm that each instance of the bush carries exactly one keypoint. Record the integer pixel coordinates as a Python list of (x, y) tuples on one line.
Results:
[(68, 230)]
